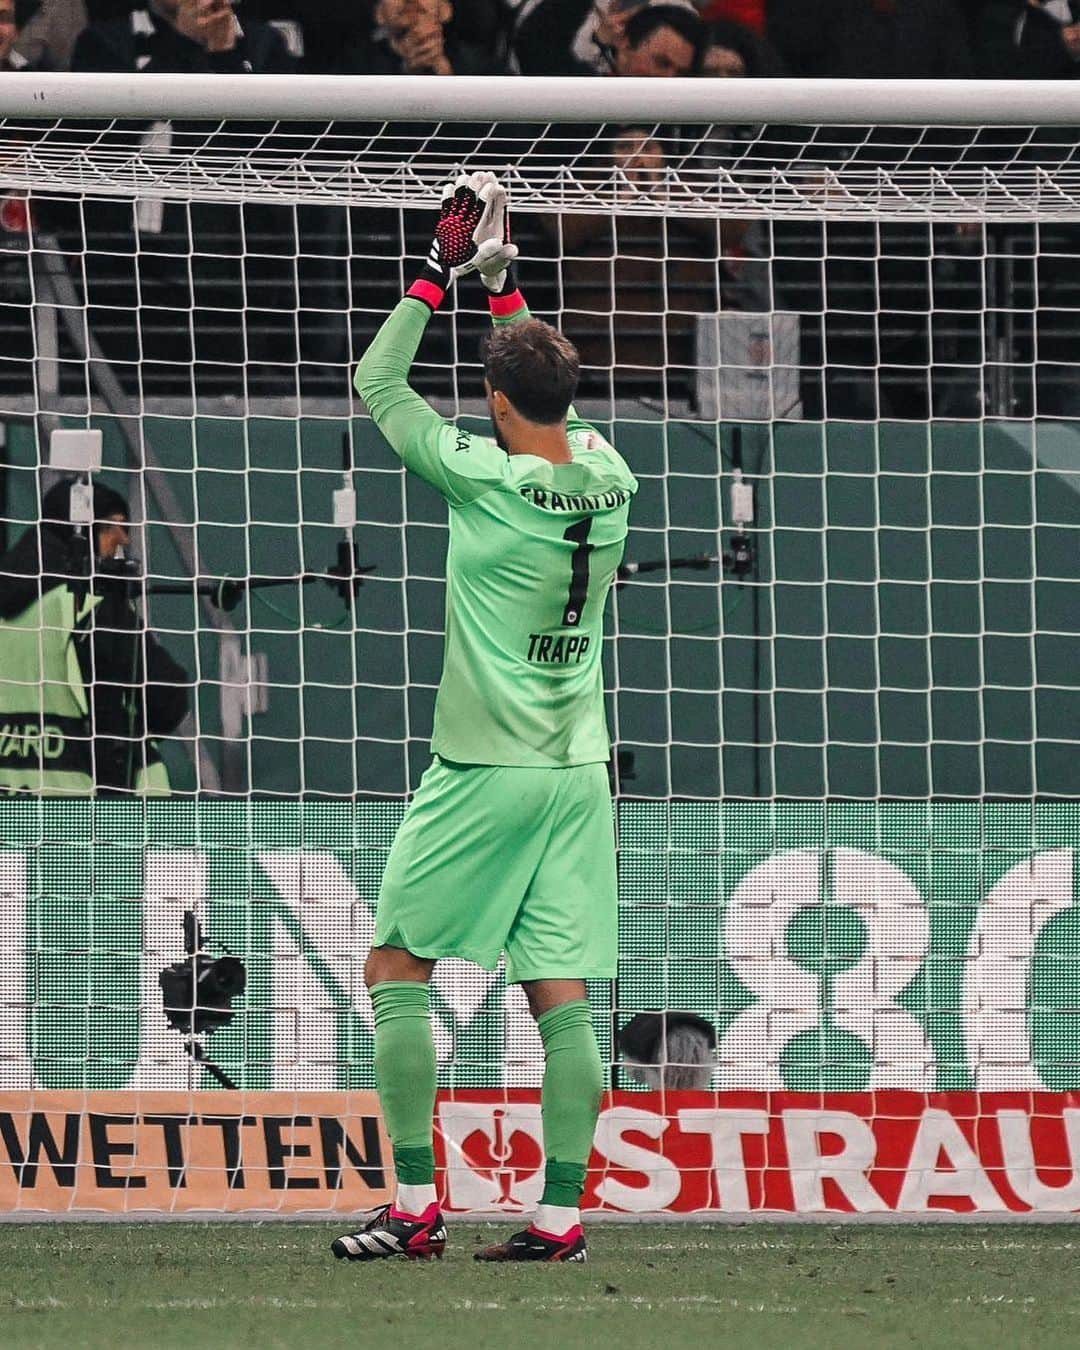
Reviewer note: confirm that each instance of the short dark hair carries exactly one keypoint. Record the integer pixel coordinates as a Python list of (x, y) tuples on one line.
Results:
[(644, 22), (534, 366)]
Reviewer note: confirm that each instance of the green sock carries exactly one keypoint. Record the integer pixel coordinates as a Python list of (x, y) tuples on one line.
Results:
[(405, 1076), (569, 1100)]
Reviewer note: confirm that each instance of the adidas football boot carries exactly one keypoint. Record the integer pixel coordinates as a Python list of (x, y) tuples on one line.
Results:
[(533, 1245), (389, 1233)]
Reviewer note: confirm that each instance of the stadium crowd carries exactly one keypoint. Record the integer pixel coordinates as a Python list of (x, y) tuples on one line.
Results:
[(889, 319), (814, 38)]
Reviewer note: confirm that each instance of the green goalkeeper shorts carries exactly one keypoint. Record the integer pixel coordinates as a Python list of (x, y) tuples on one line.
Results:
[(492, 859)]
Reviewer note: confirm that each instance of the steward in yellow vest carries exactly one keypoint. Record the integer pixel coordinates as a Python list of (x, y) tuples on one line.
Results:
[(84, 688)]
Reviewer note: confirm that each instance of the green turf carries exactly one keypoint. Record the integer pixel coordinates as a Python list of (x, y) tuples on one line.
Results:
[(646, 1287)]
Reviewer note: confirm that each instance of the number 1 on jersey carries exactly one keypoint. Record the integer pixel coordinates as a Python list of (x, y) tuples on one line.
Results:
[(579, 571)]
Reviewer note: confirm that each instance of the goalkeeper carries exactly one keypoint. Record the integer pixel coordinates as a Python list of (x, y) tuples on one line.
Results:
[(508, 845)]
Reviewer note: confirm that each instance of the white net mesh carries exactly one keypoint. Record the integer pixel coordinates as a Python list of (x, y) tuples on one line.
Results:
[(752, 170), (844, 707)]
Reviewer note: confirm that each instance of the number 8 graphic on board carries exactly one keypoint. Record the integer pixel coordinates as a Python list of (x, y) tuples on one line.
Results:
[(856, 1000)]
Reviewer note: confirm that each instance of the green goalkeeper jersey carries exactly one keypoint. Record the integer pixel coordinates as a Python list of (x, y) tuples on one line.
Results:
[(534, 549)]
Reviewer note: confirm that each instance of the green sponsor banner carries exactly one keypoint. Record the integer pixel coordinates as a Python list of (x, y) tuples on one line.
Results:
[(836, 946)]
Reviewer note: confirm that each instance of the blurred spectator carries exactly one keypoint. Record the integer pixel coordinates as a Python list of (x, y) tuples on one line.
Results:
[(176, 284), (1029, 40), (733, 49), (659, 41), (653, 276), (182, 36), (84, 687), (437, 37), (47, 40), (653, 41), (881, 39), (413, 33), (574, 37), (18, 20)]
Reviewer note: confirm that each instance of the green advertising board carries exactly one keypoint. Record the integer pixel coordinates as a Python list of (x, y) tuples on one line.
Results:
[(908, 629), (834, 945)]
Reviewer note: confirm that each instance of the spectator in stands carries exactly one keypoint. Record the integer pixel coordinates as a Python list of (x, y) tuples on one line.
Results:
[(181, 36), (881, 39), (8, 33), (1029, 40), (437, 37), (733, 49), (84, 688), (21, 47), (133, 256), (654, 40), (656, 274), (47, 40), (572, 37), (659, 41)]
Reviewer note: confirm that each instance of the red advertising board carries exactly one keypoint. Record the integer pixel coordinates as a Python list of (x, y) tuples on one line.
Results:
[(790, 1153)]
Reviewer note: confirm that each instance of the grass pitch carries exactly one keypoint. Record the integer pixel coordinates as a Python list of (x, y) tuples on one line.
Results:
[(646, 1287)]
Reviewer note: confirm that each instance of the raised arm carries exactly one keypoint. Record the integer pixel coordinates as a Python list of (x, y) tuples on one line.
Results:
[(460, 465), (382, 380)]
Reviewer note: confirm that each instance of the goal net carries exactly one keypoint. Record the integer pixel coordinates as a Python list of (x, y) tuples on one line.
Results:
[(833, 331)]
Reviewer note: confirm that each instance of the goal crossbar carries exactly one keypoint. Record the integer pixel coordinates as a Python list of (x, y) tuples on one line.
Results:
[(420, 98)]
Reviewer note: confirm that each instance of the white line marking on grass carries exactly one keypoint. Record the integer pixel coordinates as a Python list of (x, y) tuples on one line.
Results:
[(248, 1301), (678, 1247), (587, 1303), (995, 1300), (758, 1245)]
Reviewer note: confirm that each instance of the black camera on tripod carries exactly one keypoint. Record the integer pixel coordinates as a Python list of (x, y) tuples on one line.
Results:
[(199, 990)]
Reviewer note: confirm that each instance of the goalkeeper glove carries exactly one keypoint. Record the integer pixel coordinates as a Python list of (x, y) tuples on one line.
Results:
[(495, 253), (472, 235)]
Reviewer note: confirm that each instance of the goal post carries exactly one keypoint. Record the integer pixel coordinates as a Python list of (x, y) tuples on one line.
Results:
[(831, 326)]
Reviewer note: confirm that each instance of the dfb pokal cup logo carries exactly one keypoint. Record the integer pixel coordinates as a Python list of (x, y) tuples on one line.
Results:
[(494, 1155)]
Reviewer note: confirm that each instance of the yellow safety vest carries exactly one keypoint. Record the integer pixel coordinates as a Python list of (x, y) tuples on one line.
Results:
[(46, 731)]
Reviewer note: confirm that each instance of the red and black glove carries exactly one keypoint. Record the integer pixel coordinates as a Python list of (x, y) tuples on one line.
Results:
[(472, 235)]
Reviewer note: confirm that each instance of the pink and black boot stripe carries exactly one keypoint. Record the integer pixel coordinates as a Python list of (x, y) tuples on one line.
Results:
[(391, 1233)]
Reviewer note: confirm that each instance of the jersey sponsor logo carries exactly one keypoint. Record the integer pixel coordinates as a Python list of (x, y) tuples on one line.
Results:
[(558, 650), (565, 501), (461, 442)]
